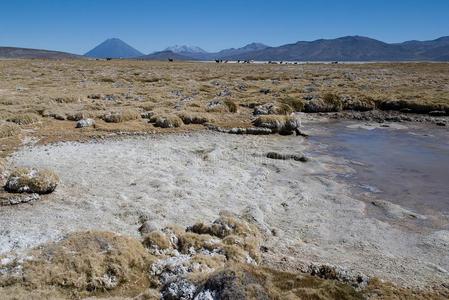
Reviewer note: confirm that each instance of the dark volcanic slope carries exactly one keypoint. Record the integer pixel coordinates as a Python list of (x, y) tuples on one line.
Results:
[(113, 48), (165, 55), (26, 53), (352, 48)]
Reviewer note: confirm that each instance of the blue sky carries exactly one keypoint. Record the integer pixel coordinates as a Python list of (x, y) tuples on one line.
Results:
[(78, 25)]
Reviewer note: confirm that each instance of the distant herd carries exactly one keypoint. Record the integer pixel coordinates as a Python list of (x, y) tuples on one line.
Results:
[(221, 61)]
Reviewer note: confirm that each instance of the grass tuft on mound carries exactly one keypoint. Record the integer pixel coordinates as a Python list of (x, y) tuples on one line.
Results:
[(24, 119), (8, 129), (167, 121), (121, 116)]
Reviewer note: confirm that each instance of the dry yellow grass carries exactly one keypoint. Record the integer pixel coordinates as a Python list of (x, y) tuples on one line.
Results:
[(8, 129), (91, 89), (24, 119), (32, 181), (167, 121), (121, 116)]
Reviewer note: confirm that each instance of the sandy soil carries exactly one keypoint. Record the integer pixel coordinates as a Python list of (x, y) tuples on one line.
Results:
[(307, 214)]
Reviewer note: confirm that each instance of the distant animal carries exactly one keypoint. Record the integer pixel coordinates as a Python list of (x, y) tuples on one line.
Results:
[(334, 62), (238, 61), (217, 61), (170, 59), (108, 58)]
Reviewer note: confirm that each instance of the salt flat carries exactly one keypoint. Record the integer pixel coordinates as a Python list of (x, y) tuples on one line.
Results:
[(306, 214)]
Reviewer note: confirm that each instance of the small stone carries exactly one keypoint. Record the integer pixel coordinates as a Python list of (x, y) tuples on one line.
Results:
[(147, 227), (178, 289), (85, 123)]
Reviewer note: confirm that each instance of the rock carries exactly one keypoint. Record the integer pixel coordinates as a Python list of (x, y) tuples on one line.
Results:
[(327, 271), (218, 105), (440, 124), (18, 199), (147, 115), (24, 180), (85, 123), (301, 133), (396, 211), (147, 227), (178, 289), (275, 155), (265, 109), (238, 130), (223, 285), (437, 113), (258, 131), (254, 131), (265, 91)]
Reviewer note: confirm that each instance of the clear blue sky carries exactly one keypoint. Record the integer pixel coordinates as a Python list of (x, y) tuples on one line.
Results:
[(78, 25)]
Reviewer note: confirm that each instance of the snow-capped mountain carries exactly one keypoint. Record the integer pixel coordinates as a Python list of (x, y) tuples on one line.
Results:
[(184, 49)]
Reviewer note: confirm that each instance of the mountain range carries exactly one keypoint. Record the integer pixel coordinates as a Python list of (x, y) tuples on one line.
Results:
[(27, 53), (348, 48)]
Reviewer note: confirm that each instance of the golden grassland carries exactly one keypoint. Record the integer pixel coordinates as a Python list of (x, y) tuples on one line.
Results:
[(45, 98)]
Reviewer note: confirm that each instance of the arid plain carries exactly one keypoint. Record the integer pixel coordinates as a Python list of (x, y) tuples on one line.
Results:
[(145, 155)]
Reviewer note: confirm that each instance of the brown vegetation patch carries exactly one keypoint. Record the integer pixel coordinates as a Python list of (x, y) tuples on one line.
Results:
[(167, 121), (121, 116), (84, 264), (278, 123), (24, 180), (24, 119), (8, 129)]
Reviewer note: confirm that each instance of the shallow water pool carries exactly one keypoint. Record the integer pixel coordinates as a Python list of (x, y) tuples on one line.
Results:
[(406, 166)]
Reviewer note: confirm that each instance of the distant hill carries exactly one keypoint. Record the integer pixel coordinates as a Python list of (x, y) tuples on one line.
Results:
[(239, 51), (197, 53), (26, 53), (351, 48), (165, 55), (113, 48)]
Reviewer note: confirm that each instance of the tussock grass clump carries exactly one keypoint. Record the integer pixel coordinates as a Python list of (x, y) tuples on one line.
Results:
[(413, 106), (360, 104), (80, 115), (167, 121), (278, 123), (189, 118), (25, 180), (87, 263), (121, 116), (329, 102), (66, 99), (24, 119), (156, 239), (8, 129), (231, 105), (295, 103), (218, 105)]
